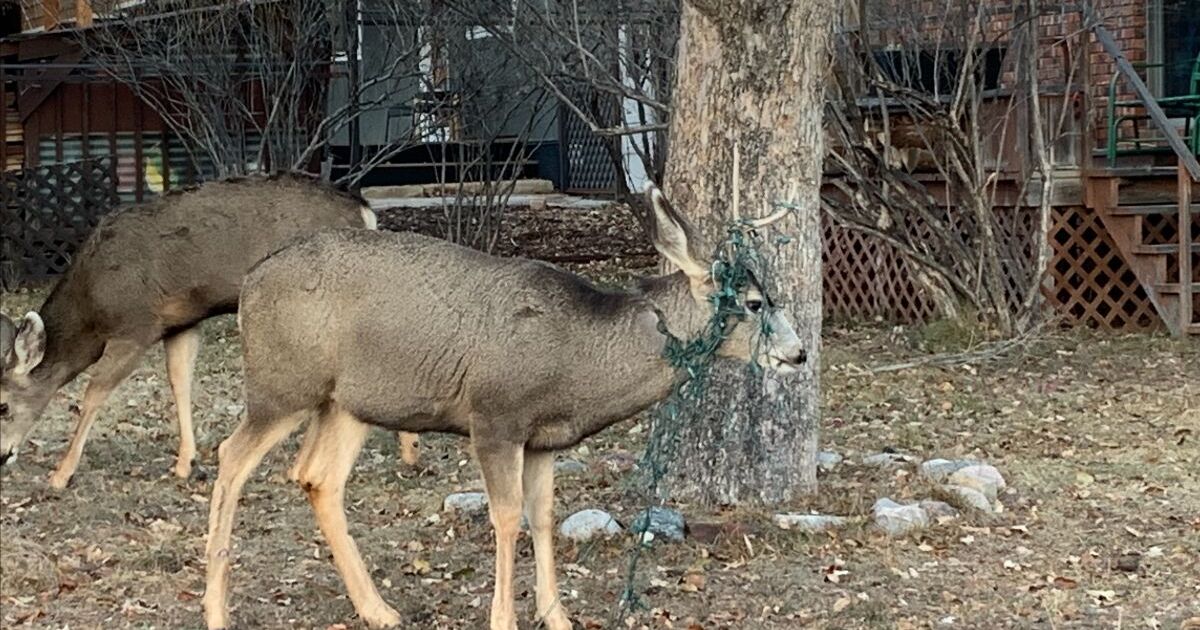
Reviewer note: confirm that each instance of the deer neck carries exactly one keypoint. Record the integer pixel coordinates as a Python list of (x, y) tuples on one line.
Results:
[(646, 376), (72, 343)]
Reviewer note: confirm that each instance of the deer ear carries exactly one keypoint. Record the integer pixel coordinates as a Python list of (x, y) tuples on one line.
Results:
[(28, 345), (673, 236), (8, 336)]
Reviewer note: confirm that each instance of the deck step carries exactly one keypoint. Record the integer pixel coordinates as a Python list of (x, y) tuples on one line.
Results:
[(1128, 211), (1163, 248), (1175, 287), (1193, 329)]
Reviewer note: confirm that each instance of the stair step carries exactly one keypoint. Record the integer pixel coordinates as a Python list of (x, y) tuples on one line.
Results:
[(1128, 211), (1193, 329), (1164, 248), (1175, 287)]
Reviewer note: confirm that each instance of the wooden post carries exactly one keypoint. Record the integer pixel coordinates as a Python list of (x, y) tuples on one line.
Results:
[(83, 13), (50, 17), (4, 124), (1185, 249)]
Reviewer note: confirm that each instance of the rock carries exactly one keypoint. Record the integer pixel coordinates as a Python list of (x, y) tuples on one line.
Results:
[(828, 460), (663, 523), (939, 469), (809, 522), (1129, 562), (971, 497), (938, 509), (569, 467), (888, 460), (585, 525), (986, 479), (465, 502), (896, 519)]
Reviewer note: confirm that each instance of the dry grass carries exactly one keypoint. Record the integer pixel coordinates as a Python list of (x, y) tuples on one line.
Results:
[(1097, 436)]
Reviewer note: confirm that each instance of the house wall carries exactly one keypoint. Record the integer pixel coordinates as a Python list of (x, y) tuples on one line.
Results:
[(1067, 54), (83, 120), (478, 67)]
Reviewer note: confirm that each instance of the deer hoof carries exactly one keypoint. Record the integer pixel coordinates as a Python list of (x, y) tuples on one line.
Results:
[(385, 617), (183, 468), (198, 473), (59, 481), (557, 620)]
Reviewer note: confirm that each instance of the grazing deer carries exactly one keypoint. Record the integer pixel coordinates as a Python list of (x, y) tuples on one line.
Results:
[(356, 329), (148, 273)]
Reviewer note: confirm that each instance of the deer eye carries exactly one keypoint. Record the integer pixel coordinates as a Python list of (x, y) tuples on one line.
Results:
[(3, 409), (754, 306)]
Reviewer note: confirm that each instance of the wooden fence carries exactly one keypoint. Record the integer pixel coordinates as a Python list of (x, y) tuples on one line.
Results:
[(48, 212)]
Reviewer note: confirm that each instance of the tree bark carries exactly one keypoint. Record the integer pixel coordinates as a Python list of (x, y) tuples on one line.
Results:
[(751, 85)]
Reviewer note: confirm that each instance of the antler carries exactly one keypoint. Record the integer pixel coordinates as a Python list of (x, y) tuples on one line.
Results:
[(762, 222), (737, 181)]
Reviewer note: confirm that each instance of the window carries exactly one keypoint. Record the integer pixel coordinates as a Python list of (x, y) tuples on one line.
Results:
[(936, 71)]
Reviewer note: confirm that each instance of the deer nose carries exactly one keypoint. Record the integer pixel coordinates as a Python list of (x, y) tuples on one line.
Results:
[(798, 358)]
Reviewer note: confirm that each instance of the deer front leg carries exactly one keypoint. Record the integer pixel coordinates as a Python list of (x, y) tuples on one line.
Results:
[(502, 464), (118, 360), (181, 349), (539, 509)]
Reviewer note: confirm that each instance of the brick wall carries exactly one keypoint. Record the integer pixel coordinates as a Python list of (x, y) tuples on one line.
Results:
[(1061, 42)]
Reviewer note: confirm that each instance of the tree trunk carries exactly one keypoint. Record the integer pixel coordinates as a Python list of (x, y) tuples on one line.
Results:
[(751, 85)]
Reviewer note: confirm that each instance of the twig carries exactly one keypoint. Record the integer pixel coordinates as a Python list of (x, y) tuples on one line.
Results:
[(985, 352)]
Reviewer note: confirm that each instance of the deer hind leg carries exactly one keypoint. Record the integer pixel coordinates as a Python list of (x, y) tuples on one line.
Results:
[(328, 455), (538, 482), (502, 464), (181, 349), (409, 443), (238, 456), (118, 361)]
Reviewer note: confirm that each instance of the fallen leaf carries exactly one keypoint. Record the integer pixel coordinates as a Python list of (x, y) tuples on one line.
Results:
[(842, 604), (693, 582), (1064, 582)]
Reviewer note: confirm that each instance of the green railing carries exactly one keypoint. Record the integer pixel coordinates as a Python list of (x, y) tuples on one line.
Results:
[(1154, 111), (1185, 106)]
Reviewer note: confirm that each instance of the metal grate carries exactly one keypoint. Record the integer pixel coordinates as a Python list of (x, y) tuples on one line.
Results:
[(586, 157)]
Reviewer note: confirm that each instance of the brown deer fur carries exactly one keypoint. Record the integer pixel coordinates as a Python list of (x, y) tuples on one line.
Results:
[(357, 329), (148, 273)]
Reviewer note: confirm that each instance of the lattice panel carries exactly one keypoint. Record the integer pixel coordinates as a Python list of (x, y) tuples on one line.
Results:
[(1089, 283), (1160, 229), (866, 278), (47, 214)]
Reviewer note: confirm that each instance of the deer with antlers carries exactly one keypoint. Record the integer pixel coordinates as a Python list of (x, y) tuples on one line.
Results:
[(357, 329)]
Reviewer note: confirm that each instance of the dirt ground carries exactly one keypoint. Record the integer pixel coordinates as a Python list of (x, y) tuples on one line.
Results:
[(1097, 435)]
